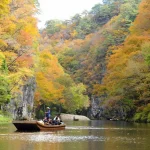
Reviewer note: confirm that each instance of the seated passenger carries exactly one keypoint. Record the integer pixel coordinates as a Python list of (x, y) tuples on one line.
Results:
[(57, 120), (45, 120)]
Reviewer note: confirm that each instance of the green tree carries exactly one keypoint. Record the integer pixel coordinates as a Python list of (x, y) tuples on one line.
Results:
[(74, 95), (4, 84), (75, 98), (53, 26)]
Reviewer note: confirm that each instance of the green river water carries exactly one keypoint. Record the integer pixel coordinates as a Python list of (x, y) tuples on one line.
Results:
[(86, 135)]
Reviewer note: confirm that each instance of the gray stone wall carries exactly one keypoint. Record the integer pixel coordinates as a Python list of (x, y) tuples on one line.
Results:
[(21, 107)]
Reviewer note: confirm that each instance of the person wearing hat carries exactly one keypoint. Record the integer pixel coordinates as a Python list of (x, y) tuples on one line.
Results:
[(48, 114)]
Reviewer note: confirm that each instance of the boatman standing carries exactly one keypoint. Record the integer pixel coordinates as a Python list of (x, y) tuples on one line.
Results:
[(48, 114)]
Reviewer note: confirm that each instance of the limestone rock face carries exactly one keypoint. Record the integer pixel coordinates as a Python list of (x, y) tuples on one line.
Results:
[(96, 110), (94, 107), (21, 107)]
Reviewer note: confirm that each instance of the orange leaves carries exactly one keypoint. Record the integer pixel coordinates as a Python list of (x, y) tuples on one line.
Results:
[(28, 34), (117, 58), (127, 65), (142, 23), (24, 38), (18, 34), (25, 61), (62, 101), (136, 41)]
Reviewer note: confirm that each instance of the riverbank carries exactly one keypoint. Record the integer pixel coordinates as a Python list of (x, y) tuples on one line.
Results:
[(74, 117), (5, 119)]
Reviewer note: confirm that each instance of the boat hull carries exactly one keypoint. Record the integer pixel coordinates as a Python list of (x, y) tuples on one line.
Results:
[(26, 125), (50, 127), (36, 126)]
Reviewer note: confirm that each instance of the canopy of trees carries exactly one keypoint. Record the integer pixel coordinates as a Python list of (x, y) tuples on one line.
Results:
[(23, 56), (101, 53)]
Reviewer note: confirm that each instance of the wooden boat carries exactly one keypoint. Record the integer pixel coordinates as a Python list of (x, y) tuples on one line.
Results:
[(36, 126), (44, 127), (26, 125)]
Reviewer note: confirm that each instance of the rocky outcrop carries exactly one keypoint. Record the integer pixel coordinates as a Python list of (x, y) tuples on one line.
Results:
[(21, 107), (74, 117), (97, 108)]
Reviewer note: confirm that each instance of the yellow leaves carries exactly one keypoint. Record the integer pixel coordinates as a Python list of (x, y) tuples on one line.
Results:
[(49, 64), (11, 28), (2, 43), (7, 27), (2, 57), (10, 55), (74, 33), (18, 79), (18, 33), (29, 28), (4, 7), (47, 88), (22, 74), (47, 72), (25, 73)]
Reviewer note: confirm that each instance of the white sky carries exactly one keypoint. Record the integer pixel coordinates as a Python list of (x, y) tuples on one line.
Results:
[(62, 9)]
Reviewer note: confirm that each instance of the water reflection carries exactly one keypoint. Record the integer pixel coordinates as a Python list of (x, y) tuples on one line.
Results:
[(92, 135), (48, 137)]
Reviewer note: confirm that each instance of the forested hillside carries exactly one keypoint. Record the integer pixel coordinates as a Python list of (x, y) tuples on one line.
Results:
[(101, 54), (126, 82), (22, 59), (18, 36), (81, 43), (98, 48)]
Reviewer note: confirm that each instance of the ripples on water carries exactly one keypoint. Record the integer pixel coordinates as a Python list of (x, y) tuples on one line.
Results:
[(55, 138), (50, 138)]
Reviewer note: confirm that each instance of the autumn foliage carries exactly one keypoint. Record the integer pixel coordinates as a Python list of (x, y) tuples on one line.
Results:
[(127, 73), (99, 54), (112, 59)]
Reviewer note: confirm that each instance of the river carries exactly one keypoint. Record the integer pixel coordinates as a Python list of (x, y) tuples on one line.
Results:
[(86, 135)]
